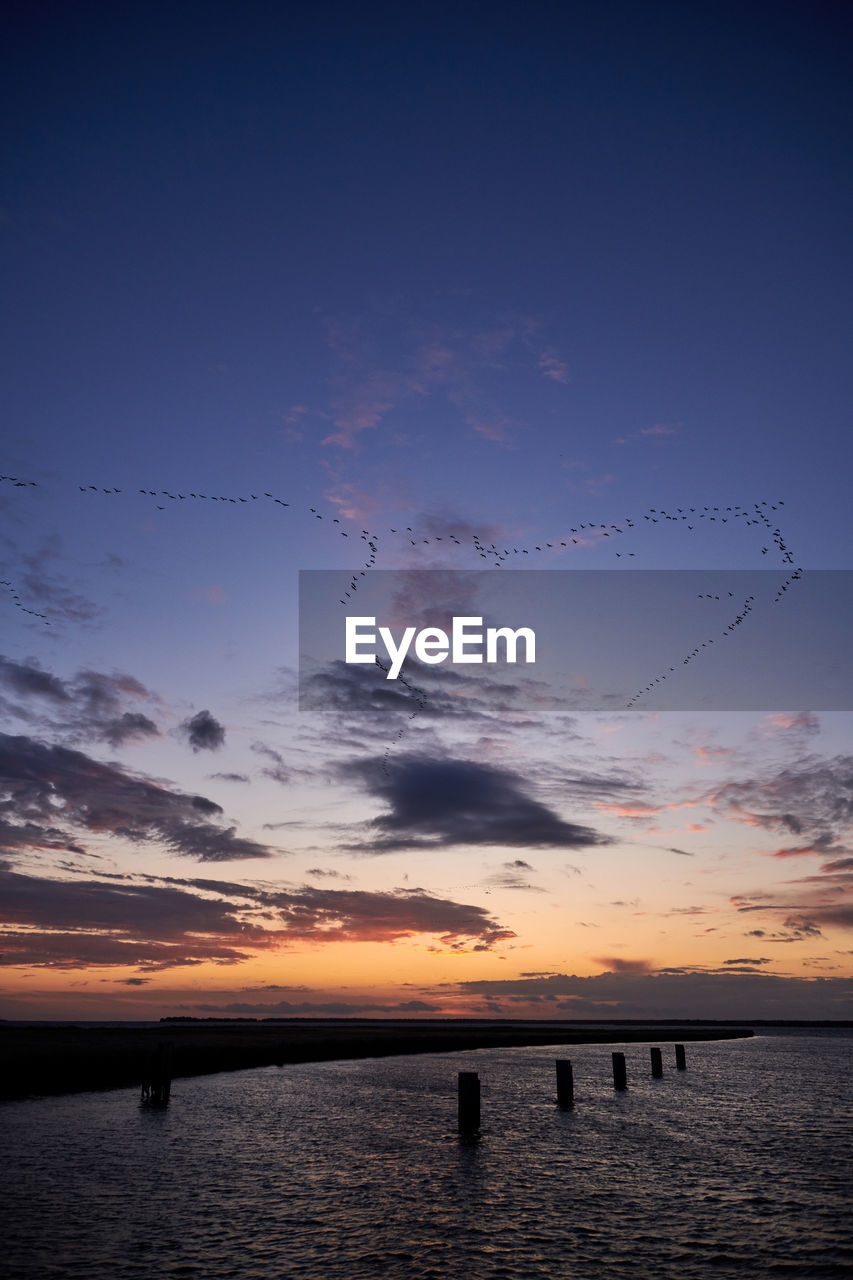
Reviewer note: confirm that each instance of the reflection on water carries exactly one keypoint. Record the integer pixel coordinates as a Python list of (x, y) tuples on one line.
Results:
[(741, 1165)]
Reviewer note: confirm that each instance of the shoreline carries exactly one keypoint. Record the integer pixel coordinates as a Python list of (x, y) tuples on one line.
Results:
[(44, 1061)]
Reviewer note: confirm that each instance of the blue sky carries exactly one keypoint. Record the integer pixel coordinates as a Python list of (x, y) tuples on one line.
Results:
[(493, 273)]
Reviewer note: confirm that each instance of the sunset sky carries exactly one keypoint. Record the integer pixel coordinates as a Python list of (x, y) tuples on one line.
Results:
[(386, 287)]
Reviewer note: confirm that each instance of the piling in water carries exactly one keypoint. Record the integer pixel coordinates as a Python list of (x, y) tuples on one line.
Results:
[(657, 1063), (620, 1078), (468, 1092), (680, 1060), (157, 1084), (565, 1083)]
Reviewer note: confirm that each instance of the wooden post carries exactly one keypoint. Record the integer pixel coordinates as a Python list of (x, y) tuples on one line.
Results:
[(468, 1095), (680, 1060), (620, 1079), (657, 1063), (157, 1085), (565, 1083)]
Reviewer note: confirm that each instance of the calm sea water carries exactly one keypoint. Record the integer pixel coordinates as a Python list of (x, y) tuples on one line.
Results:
[(742, 1165)]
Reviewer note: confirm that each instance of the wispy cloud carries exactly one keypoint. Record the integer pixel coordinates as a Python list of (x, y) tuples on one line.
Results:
[(46, 789), (92, 706), (381, 375)]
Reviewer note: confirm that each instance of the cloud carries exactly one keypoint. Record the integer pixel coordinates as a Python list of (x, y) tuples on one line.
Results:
[(672, 993), (154, 923), (90, 707), (618, 964), (277, 769), (331, 1008), (812, 799), (43, 786), (447, 368), (367, 704), (659, 431), (82, 923), (439, 803), (804, 918), (512, 876), (203, 732), (553, 367), (805, 722), (44, 580), (28, 678)]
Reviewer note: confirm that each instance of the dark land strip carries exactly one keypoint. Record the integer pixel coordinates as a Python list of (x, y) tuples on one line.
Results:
[(66, 1058)]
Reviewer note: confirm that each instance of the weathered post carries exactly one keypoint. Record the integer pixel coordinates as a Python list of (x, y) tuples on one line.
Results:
[(565, 1083), (468, 1095), (680, 1060), (620, 1078), (657, 1063), (157, 1085)]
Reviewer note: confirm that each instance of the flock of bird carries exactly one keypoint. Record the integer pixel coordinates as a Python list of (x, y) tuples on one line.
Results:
[(420, 698), (495, 554)]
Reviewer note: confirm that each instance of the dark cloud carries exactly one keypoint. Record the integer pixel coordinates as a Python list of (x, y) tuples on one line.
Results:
[(332, 1008), (842, 864), (26, 678), (618, 964), (362, 697), (438, 803), (129, 727), (229, 777), (154, 923), (85, 923), (356, 915), (803, 919), (675, 994), (203, 732), (90, 707), (42, 786)]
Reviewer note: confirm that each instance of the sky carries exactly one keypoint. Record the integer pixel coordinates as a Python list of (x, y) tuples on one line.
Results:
[(504, 293)]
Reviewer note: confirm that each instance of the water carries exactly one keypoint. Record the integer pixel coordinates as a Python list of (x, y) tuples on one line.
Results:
[(740, 1166)]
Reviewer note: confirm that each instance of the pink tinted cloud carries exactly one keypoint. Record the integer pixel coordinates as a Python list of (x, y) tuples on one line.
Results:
[(494, 427), (553, 367), (457, 364), (636, 810), (364, 406), (661, 429), (804, 721), (353, 503), (801, 851)]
